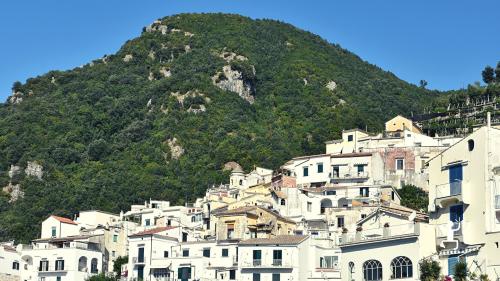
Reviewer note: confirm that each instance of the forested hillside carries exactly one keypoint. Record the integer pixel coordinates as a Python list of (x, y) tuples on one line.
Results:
[(161, 117)]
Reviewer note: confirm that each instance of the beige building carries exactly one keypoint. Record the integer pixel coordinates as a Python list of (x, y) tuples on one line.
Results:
[(400, 124), (464, 203)]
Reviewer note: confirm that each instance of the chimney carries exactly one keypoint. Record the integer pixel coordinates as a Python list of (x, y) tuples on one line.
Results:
[(488, 119)]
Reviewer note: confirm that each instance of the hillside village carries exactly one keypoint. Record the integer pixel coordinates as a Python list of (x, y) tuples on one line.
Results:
[(333, 216)]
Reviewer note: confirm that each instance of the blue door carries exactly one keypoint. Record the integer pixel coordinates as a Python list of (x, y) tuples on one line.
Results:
[(452, 261), (456, 213), (456, 177)]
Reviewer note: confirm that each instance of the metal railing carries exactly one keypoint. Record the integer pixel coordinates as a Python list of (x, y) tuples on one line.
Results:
[(266, 263), (449, 189), (349, 175)]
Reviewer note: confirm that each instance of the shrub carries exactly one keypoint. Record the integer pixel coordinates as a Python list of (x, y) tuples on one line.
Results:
[(430, 270)]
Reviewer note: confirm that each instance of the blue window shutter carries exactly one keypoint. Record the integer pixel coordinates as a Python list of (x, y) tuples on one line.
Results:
[(452, 261)]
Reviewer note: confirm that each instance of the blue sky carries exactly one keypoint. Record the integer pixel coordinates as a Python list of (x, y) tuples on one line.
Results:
[(445, 42)]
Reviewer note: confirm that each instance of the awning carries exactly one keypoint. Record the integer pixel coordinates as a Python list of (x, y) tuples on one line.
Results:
[(460, 251)]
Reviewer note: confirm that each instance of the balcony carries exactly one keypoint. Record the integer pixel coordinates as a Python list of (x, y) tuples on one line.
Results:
[(448, 193), (380, 234), (138, 260), (52, 268), (349, 176), (271, 263), (449, 235)]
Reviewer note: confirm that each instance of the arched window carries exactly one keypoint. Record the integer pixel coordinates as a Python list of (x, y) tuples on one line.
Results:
[(351, 271), (283, 203), (372, 270), (93, 266), (82, 264), (193, 219), (325, 203), (401, 267)]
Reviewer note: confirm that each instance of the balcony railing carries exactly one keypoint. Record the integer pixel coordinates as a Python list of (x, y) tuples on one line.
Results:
[(138, 259), (380, 233), (266, 263), (349, 175), (448, 193), (52, 268)]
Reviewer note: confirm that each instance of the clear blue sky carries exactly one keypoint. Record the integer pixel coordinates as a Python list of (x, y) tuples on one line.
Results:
[(446, 42)]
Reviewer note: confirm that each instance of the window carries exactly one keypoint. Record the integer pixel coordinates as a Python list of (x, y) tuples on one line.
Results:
[(184, 273), (93, 266), (113, 253), (328, 261), (140, 272), (309, 206), (256, 277), (241, 182), (277, 257), (59, 265), (372, 270), (115, 238), (283, 202), (169, 222), (225, 252), (335, 171), (147, 222), (140, 254), (230, 231), (350, 137), (276, 277), (58, 278), (452, 262), (193, 219), (257, 255), (401, 267), (232, 274), (320, 168), (165, 254), (400, 164), (206, 252), (364, 191), (360, 169), (393, 195), (305, 171), (185, 252), (15, 265), (340, 221), (82, 264), (54, 231), (44, 265), (470, 144), (363, 216), (330, 192), (184, 237)]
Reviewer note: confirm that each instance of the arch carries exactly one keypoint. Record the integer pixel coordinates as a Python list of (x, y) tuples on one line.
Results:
[(401, 267), (82, 264), (325, 203), (372, 270), (343, 202), (93, 266)]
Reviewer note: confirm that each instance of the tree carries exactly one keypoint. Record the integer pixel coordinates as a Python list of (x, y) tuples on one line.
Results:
[(414, 197), (489, 74), (423, 84), (497, 72), (117, 265), (16, 86), (461, 271), (430, 270)]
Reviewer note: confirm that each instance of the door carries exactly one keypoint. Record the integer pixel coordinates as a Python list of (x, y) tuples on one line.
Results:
[(140, 255), (456, 177), (456, 213)]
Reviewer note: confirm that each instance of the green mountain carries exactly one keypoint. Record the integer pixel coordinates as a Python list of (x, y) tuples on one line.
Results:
[(161, 117)]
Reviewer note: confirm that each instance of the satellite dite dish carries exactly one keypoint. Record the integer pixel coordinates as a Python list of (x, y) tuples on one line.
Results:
[(412, 216)]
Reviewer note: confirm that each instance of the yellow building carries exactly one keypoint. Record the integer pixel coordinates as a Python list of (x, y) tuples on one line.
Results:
[(399, 124), (251, 222)]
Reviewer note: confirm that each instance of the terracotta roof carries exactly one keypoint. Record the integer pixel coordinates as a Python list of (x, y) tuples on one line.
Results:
[(9, 248), (66, 239), (64, 220), (154, 230), (398, 210), (355, 154), (252, 210), (278, 240)]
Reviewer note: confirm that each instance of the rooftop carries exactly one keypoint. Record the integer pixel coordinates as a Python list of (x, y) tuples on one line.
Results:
[(153, 231), (64, 220), (278, 240)]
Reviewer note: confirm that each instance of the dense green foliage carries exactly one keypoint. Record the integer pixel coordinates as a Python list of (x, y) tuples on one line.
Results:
[(430, 270), (461, 271), (414, 197), (101, 277), (117, 265), (103, 147)]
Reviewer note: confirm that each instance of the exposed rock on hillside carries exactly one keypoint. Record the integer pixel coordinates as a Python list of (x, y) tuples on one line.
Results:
[(176, 150), (232, 80), (331, 85), (128, 58), (16, 98), (34, 170)]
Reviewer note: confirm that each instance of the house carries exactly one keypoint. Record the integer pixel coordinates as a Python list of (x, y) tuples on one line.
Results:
[(387, 245), (464, 202), (283, 257), (400, 123), (56, 226), (251, 222), (10, 262)]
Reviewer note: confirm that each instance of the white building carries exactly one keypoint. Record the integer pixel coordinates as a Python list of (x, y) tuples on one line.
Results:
[(464, 203), (10, 262)]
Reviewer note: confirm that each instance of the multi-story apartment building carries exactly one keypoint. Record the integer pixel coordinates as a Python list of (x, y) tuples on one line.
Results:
[(464, 202)]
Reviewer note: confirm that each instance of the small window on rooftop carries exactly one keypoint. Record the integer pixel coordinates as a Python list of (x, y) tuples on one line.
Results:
[(470, 144)]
